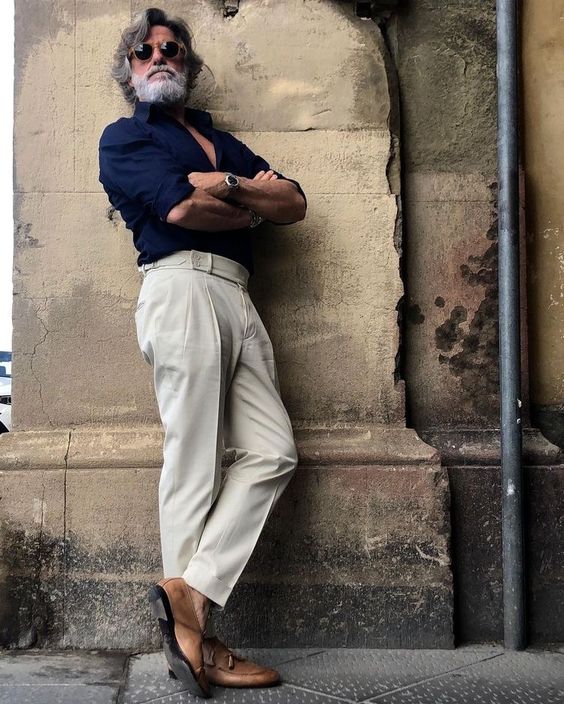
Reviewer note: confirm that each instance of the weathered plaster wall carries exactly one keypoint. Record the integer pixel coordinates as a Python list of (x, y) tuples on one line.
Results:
[(445, 53), (307, 85), (445, 56), (543, 108), (312, 97)]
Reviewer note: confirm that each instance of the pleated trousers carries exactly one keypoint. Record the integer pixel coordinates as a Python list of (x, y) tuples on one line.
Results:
[(217, 390)]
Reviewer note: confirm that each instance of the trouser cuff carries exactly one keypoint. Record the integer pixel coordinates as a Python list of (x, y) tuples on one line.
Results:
[(217, 591)]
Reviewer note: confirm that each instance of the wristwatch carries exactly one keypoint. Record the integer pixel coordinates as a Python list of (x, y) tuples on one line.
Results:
[(256, 219), (232, 182)]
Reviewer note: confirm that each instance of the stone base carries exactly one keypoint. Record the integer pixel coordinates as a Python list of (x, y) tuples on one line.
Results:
[(356, 553), (473, 462)]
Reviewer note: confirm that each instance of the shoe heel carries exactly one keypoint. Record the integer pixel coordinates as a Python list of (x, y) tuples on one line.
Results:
[(156, 603), (160, 606)]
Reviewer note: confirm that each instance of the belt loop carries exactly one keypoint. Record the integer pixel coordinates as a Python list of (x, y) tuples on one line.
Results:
[(201, 260), (145, 267)]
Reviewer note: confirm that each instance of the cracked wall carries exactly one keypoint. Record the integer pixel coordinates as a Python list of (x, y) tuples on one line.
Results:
[(307, 85), (310, 87)]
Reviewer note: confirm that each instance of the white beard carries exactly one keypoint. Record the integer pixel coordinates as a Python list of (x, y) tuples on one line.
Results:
[(164, 91)]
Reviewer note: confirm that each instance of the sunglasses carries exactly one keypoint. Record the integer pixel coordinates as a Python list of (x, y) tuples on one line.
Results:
[(144, 50)]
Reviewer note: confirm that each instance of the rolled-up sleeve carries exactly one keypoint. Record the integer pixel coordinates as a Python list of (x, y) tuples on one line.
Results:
[(135, 165)]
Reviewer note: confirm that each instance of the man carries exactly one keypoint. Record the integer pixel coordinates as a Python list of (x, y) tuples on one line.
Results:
[(191, 195)]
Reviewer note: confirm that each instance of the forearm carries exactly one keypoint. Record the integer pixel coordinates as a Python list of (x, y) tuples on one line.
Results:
[(277, 200), (201, 211)]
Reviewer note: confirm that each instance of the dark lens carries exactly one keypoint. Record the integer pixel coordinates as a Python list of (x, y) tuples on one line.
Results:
[(169, 49), (143, 51)]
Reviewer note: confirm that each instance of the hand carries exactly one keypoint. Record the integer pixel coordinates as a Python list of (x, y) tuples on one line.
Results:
[(265, 176), (213, 182)]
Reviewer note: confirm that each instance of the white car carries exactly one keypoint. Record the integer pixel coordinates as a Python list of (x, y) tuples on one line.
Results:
[(5, 417), (5, 404)]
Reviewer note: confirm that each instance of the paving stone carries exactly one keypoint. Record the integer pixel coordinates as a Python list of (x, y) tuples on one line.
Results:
[(56, 694), (356, 674), (510, 678), (62, 677), (309, 675), (281, 694), (147, 679), (473, 674)]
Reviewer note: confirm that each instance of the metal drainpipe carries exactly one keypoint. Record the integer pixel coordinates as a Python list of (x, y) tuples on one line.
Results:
[(509, 352)]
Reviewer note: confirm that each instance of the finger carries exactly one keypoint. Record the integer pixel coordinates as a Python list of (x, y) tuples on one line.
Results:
[(258, 176)]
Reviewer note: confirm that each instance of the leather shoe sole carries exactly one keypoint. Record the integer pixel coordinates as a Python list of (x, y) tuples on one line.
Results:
[(182, 669)]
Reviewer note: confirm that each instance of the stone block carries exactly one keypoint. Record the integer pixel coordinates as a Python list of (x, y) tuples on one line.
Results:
[(384, 578), (477, 537), (75, 304), (44, 96), (325, 322), (451, 310), (32, 547), (98, 98), (96, 107), (327, 162), (112, 522), (298, 65)]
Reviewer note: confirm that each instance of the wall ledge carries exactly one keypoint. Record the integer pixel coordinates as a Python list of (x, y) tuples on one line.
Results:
[(141, 446), (483, 447)]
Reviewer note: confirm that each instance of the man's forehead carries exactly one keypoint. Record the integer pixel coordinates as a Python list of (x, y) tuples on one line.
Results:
[(157, 31)]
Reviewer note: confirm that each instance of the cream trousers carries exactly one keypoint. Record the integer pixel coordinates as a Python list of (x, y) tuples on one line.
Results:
[(217, 388)]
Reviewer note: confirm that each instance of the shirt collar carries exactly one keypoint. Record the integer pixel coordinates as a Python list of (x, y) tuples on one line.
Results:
[(144, 110)]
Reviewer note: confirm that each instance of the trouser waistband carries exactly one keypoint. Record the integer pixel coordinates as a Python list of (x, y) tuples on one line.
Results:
[(202, 261)]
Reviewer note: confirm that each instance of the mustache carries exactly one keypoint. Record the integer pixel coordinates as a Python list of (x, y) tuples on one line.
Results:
[(162, 68)]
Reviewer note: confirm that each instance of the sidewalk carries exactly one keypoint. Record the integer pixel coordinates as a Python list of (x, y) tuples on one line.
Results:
[(474, 674)]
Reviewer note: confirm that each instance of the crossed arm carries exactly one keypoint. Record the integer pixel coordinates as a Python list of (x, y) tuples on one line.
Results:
[(205, 209)]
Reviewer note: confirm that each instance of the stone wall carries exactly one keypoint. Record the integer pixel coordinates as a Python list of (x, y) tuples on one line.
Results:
[(317, 109), (445, 53), (363, 530)]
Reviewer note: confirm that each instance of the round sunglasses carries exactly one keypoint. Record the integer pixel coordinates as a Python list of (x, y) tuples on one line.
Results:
[(144, 51)]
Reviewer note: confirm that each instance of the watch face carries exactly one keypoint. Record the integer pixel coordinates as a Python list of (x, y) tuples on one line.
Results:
[(232, 181)]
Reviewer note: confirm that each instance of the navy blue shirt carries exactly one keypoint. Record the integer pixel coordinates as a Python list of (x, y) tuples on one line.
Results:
[(144, 165)]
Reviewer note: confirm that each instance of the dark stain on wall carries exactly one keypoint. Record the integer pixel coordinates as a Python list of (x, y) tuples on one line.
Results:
[(476, 364), (414, 314), (23, 236), (450, 332), (31, 576)]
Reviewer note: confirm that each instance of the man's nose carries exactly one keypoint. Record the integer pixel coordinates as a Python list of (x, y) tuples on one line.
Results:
[(158, 58)]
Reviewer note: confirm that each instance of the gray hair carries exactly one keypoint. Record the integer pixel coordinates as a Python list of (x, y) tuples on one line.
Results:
[(136, 33)]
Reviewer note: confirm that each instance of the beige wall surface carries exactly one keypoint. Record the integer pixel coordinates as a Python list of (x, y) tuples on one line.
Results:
[(543, 105), (305, 84)]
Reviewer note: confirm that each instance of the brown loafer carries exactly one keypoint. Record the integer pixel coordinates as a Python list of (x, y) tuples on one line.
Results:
[(226, 669), (171, 603)]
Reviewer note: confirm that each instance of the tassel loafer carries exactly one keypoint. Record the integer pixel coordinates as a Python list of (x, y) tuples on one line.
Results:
[(171, 603)]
